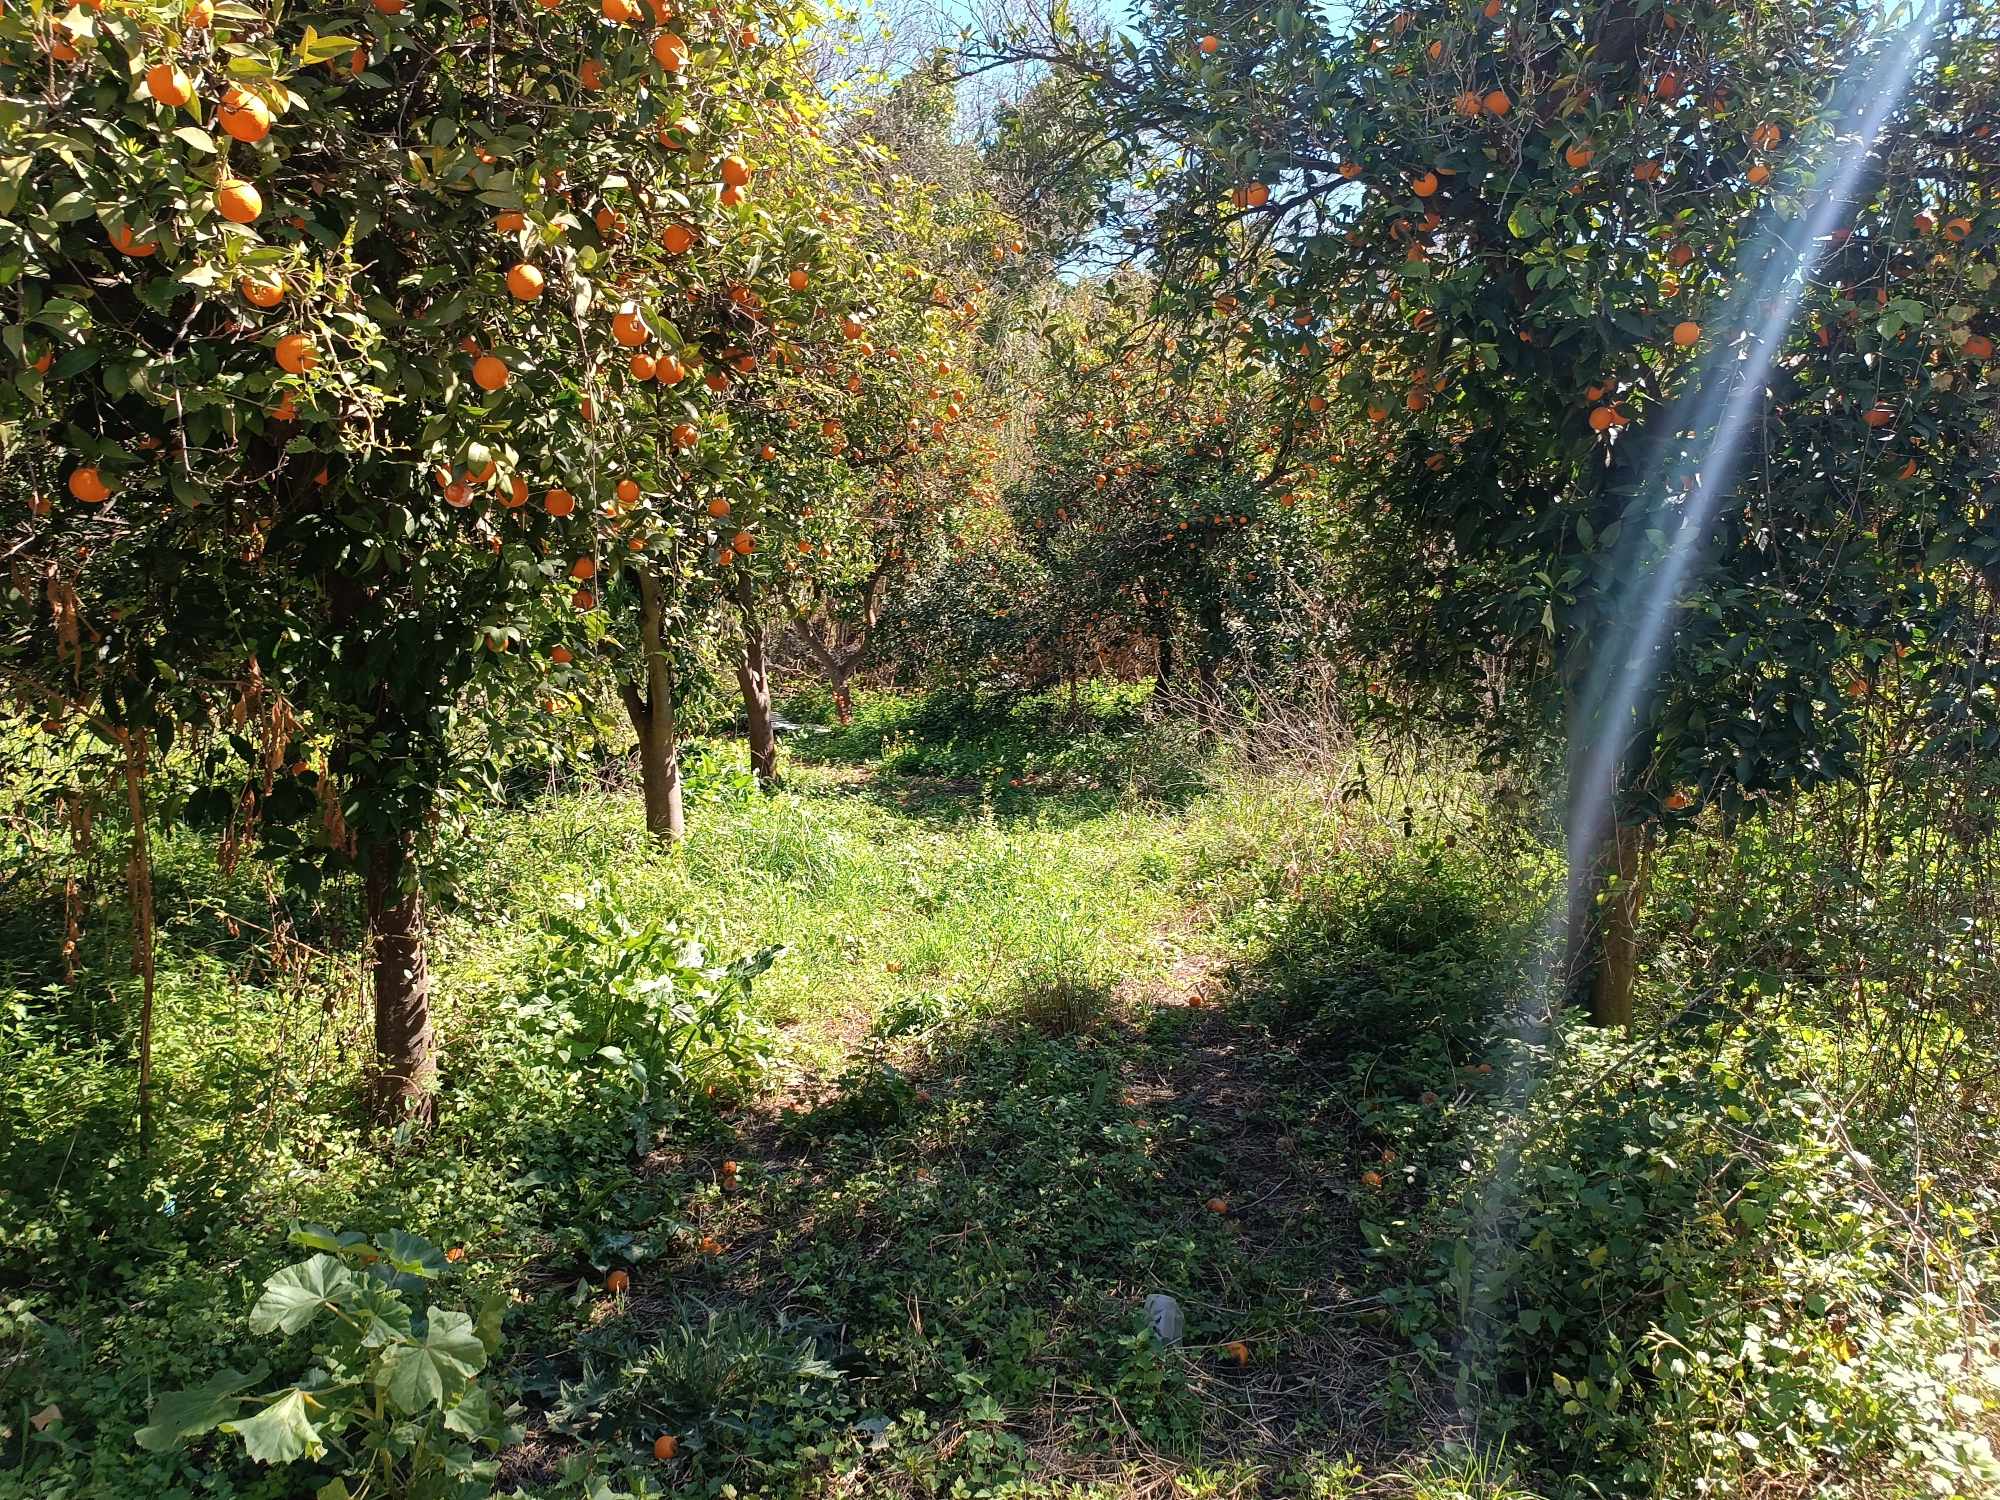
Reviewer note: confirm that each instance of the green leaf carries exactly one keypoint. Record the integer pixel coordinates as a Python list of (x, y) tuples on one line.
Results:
[(180, 1415), (294, 1296), (195, 138), (405, 1251), (1524, 223), (280, 1432), (417, 1376)]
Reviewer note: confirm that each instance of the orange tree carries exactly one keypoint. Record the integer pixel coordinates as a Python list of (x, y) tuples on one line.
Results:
[(309, 337), (1164, 500), (832, 397), (1665, 333)]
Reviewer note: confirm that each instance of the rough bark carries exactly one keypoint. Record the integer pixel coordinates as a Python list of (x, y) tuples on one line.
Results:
[(655, 722), (405, 1060), (1624, 893)]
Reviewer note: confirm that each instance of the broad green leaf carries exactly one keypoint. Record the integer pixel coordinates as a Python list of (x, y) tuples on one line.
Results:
[(420, 1375), (294, 1296), (281, 1432), (196, 139), (405, 1251), (180, 1415)]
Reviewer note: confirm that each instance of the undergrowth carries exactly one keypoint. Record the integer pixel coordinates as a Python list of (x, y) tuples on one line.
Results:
[(845, 1145)]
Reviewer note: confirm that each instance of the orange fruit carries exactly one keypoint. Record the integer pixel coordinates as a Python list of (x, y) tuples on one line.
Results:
[(199, 15), (1468, 105), (88, 485), (582, 568), (489, 372), (1646, 171), (617, 11), (1879, 415), (1257, 195), (669, 370), (1497, 102), (744, 543), (1578, 155), (123, 240), (262, 293), (1209, 44), (670, 51), (1237, 1350), (685, 435), (1979, 346), (1668, 86), (525, 282), (1687, 334), (642, 366), (560, 655), (675, 239), (1602, 418), (238, 201), (618, 1283), (1424, 185), (724, 558), (627, 491), (735, 172), (168, 85), (243, 117), (510, 222), (798, 281), (718, 507), (1758, 175), (1957, 229), (559, 503), (665, 1446), (1218, 1205), (629, 327), (295, 354), (1679, 801), (591, 74), (517, 493)]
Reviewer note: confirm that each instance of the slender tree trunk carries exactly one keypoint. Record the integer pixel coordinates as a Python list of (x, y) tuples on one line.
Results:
[(1163, 667), (1618, 927), (843, 700), (1208, 702), (655, 722), (1607, 876), (753, 677), (140, 876), (405, 1061)]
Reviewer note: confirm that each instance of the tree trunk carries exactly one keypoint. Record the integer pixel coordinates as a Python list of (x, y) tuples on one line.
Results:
[(753, 676), (405, 1062), (139, 873), (1618, 927), (843, 700), (655, 722), (1163, 670), (1208, 700), (1607, 875)]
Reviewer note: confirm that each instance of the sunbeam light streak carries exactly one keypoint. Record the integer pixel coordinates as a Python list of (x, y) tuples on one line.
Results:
[(1624, 674), (1724, 404)]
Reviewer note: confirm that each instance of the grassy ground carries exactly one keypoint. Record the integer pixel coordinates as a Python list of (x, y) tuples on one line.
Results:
[(1068, 1014)]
